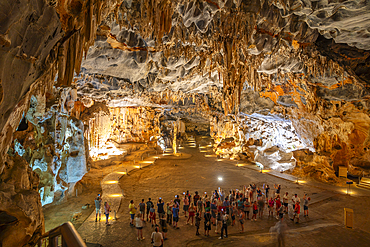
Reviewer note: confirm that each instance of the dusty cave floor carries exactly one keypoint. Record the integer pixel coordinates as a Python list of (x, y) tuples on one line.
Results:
[(166, 178)]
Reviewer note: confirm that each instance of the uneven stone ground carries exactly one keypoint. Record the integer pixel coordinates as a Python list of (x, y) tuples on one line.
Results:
[(166, 178)]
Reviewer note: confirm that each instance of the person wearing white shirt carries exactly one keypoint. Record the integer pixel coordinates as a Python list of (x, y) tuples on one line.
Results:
[(295, 199), (157, 238)]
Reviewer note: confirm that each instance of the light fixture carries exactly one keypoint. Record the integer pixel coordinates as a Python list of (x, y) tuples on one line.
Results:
[(219, 178)]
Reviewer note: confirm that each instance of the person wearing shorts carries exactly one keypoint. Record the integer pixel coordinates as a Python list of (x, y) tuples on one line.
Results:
[(297, 211), (305, 205), (186, 204), (132, 209), (213, 212), (285, 201), (139, 227), (246, 208), (142, 208), (241, 221), (175, 213), (98, 208)]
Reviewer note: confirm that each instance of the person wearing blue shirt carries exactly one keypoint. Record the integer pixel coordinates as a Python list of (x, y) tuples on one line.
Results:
[(175, 213)]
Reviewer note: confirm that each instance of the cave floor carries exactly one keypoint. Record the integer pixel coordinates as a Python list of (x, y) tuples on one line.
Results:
[(167, 178)]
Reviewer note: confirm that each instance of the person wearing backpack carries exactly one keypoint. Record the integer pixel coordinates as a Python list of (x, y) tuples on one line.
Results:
[(149, 205), (224, 220)]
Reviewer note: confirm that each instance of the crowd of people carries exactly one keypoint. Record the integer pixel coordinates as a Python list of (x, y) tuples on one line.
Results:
[(220, 210)]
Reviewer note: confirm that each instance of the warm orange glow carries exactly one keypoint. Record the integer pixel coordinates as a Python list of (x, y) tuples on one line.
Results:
[(115, 195), (110, 182), (138, 167), (123, 173)]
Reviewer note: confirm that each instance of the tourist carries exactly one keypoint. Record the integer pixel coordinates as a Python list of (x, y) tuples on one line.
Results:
[(297, 211), (142, 208), (259, 194), (241, 221), (175, 213), (277, 205), (285, 201), (189, 196), (246, 207), (98, 207), (200, 206), (160, 208), (240, 203), (196, 197), (163, 223), (226, 204), (197, 223), (186, 204), (295, 199), (152, 216), (157, 238), (281, 212), (277, 189), (169, 212), (213, 212), (207, 204), (218, 217), (233, 212), (306, 199), (255, 211), (139, 226), (271, 207), (267, 189), (132, 210), (224, 220), (192, 211), (207, 223), (177, 200), (261, 207), (106, 212), (149, 205)]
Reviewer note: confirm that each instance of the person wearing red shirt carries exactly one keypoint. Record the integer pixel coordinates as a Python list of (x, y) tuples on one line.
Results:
[(297, 211), (278, 205)]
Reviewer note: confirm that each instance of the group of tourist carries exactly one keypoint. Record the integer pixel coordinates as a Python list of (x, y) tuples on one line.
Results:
[(98, 209), (221, 210)]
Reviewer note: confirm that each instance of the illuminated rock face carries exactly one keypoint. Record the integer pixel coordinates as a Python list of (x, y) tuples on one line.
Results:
[(294, 73)]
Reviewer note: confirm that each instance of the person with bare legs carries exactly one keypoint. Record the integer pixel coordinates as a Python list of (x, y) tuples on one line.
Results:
[(139, 226), (98, 207), (241, 220), (191, 214)]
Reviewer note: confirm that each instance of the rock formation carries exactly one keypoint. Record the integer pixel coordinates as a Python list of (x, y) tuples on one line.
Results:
[(281, 83)]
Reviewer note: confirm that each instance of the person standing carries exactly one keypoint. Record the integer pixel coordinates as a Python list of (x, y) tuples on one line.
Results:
[(163, 224), (160, 208), (297, 211), (149, 205), (132, 210), (267, 190), (157, 238), (192, 211), (186, 204), (241, 221), (207, 223), (246, 207), (295, 199), (255, 211), (197, 223), (196, 198), (214, 212), (306, 199), (152, 216), (106, 212), (271, 207), (277, 189), (175, 213), (225, 217), (98, 207), (261, 206), (139, 226), (277, 205), (285, 201), (226, 204), (142, 208), (200, 206), (169, 213)]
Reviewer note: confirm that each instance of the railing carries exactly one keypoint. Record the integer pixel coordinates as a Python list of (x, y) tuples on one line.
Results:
[(62, 236)]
